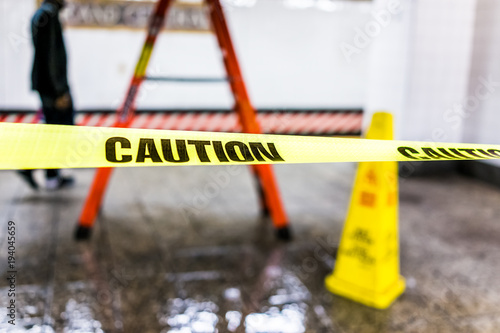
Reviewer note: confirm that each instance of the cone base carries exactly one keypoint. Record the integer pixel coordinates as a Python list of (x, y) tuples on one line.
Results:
[(378, 300)]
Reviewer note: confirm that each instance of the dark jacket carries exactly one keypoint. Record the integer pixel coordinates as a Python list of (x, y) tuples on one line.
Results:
[(49, 75)]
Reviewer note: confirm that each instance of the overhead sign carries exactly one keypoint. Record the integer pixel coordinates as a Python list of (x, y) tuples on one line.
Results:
[(183, 16)]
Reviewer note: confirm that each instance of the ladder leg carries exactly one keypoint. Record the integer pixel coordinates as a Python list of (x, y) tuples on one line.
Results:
[(268, 188), (125, 116), (273, 201), (93, 203)]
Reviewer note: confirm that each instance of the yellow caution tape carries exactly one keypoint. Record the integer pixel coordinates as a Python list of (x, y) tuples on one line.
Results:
[(31, 146)]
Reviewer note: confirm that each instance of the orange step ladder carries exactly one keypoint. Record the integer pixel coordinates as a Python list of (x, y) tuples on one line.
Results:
[(270, 200)]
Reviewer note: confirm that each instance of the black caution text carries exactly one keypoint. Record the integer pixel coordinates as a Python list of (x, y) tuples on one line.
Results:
[(119, 150), (433, 153)]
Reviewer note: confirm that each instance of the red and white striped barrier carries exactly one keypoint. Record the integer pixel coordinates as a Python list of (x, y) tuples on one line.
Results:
[(312, 122)]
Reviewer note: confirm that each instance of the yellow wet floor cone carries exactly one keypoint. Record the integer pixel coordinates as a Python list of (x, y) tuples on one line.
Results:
[(367, 266)]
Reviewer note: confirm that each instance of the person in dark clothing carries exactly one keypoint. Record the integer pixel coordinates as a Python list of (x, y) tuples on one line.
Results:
[(49, 78)]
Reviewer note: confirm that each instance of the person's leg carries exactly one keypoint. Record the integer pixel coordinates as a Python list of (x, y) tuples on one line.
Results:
[(51, 173), (27, 176), (63, 116), (53, 115)]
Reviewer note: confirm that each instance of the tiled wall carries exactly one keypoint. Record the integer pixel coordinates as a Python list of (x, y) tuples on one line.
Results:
[(388, 64), (439, 64), (482, 114)]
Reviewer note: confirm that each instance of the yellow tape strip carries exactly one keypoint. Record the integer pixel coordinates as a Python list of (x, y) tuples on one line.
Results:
[(29, 146)]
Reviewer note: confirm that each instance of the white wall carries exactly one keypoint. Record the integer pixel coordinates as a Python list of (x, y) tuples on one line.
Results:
[(15, 53), (430, 66), (440, 58), (481, 114), (290, 58), (389, 62)]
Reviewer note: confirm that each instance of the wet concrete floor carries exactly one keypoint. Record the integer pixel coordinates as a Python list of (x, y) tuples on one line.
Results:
[(183, 249)]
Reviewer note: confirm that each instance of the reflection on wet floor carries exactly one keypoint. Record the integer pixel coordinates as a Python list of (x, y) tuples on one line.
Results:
[(190, 316), (275, 302), (284, 310), (77, 316), (153, 265)]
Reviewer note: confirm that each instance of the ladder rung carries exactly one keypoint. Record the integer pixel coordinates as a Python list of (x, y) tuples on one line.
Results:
[(186, 79)]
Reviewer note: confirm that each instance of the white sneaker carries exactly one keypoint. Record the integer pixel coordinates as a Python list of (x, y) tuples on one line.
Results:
[(52, 183), (56, 183)]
